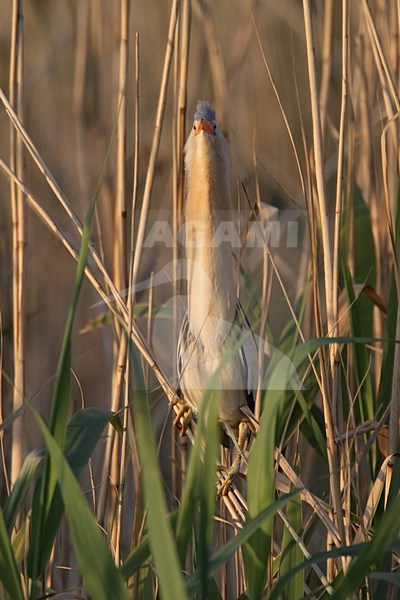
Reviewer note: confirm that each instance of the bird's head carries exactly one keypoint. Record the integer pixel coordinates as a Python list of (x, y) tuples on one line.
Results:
[(207, 160), (204, 119), (206, 147)]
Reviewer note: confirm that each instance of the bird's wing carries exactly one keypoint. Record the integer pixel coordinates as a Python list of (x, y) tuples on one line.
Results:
[(248, 350), (189, 351)]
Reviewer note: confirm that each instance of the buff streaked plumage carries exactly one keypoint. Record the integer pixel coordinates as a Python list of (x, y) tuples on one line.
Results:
[(215, 320)]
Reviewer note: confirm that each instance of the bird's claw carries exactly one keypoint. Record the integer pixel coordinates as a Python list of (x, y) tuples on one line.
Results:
[(183, 417), (224, 486)]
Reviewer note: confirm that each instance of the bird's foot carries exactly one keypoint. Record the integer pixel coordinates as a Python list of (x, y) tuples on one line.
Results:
[(183, 417), (224, 486)]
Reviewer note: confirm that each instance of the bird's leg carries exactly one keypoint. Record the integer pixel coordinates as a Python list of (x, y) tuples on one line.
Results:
[(224, 486), (183, 416)]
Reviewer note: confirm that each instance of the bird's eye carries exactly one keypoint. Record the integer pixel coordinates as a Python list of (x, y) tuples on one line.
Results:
[(215, 129), (194, 127)]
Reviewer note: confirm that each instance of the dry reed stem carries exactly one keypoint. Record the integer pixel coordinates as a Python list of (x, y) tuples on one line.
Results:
[(120, 266), (81, 56), (176, 445), (339, 177), (302, 180), (234, 502), (136, 461), (307, 554), (124, 317), (56, 190), (115, 294), (369, 185), (319, 164), (119, 245), (182, 37), (203, 10), (266, 294), (120, 314), (382, 78), (335, 359), (2, 447), (114, 301), (19, 220), (376, 43), (327, 53), (289, 304), (395, 395), (156, 140), (328, 271), (373, 501), (281, 108)]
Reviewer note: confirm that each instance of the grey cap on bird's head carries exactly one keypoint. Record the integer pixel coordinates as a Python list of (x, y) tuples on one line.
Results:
[(204, 111)]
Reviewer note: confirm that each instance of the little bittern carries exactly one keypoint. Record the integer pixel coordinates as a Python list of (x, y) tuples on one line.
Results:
[(215, 323)]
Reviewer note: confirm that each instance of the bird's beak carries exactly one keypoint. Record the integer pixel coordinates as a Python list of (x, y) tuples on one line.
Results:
[(203, 125)]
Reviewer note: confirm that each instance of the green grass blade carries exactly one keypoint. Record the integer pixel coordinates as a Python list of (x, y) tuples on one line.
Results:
[(161, 541), (142, 552), (321, 557), (201, 480), (371, 553), (385, 384), (260, 495), (385, 576), (291, 553), (192, 486), (312, 425), (44, 496), (207, 488), (83, 431), (102, 578), (19, 543), (9, 575), (361, 357), (221, 557), (21, 486), (189, 495)]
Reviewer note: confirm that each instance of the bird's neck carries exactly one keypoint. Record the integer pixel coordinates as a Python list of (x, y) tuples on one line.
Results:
[(211, 286)]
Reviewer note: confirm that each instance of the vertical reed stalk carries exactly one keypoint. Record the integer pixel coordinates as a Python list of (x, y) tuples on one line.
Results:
[(119, 246), (19, 218), (156, 140), (120, 230), (395, 395), (329, 7), (185, 18), (328, 272), (176, 445), (336, 374), (135, 157), (115, 445), (179, 137), (131, 300), (387, 81), (339, 176), (2, 447), (266, 290), (203, 9), (319, 164)]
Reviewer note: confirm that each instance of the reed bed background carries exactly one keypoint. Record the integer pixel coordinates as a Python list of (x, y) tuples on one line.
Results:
[(100, 496)]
